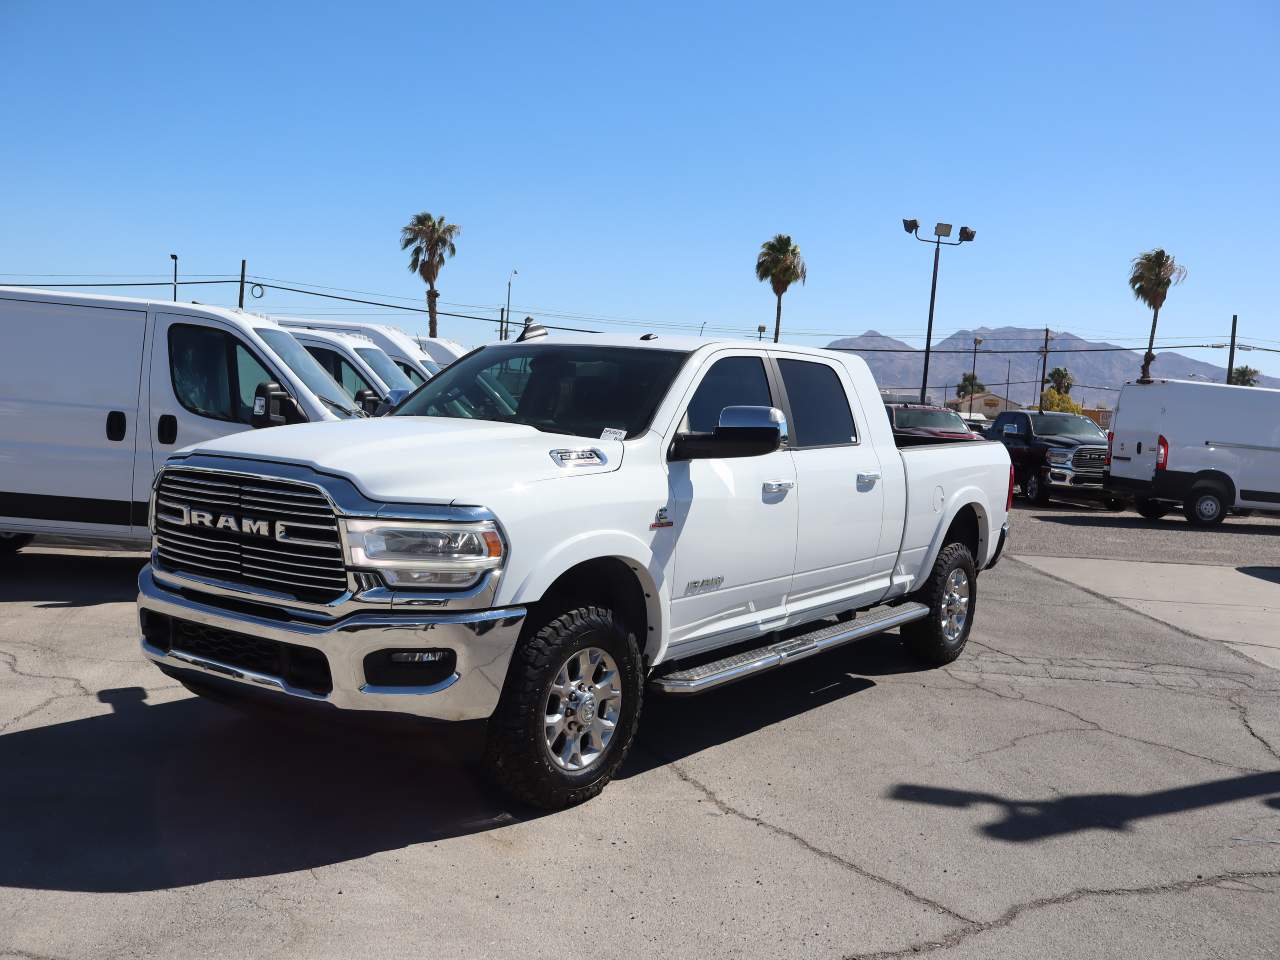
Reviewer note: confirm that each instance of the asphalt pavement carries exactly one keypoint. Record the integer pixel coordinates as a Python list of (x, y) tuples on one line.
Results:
[(1086, 781)]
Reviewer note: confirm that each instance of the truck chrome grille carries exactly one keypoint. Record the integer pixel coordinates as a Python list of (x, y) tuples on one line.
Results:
[(268, 535), (1089, 458)]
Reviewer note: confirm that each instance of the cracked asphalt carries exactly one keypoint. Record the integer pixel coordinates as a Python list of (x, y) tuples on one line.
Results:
[(1085, 781)]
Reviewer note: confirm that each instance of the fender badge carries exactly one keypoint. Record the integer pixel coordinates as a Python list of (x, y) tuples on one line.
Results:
[(661, 520)]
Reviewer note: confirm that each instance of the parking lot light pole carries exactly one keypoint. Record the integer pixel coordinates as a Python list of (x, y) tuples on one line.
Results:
[(940, 232), (174, 258), (973, 374)]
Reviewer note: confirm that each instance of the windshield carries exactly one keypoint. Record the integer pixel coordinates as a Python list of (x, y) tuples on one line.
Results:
[(1070, 426), (578, 390), (385, 368), (906, 419), (306, 368)]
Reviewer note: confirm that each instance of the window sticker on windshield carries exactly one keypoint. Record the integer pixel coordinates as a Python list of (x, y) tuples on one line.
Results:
[(613, 433)]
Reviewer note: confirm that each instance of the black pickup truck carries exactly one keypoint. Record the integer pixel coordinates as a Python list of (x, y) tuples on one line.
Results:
[(1055, 455)]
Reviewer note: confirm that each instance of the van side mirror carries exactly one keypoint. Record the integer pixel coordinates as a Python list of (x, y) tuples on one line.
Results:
[(368, 401), (273, 407), (394, 398), (742, 432)]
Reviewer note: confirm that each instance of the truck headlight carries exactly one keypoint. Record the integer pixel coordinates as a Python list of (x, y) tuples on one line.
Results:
[(1060, 458), (412, 554)]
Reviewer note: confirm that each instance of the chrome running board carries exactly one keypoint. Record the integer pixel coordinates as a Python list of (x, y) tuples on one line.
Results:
[(691, 680)]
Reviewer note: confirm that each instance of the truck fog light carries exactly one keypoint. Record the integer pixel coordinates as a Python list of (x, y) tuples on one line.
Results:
[(410, 668), (417, 656)]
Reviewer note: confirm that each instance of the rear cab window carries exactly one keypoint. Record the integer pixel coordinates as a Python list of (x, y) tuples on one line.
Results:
[(820, 414)]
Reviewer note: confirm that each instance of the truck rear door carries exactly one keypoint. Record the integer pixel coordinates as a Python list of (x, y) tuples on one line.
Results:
[(840, 487)]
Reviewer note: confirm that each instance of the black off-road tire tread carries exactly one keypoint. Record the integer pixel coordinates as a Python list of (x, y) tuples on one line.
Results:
[(923, 638), (508, 748)]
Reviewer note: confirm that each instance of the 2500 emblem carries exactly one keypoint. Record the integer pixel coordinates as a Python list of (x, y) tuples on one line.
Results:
[(224, 521)]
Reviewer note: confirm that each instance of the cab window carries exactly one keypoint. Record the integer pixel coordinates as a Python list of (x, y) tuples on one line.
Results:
[(820, 415), (214, 375), (731, 382), (414, 376), (341, 370)]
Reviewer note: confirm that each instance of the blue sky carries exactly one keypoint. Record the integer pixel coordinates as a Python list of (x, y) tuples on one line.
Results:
[(629, 161)]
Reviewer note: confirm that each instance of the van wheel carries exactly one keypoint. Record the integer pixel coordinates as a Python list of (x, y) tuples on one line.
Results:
[(1205, 506), (951, 594), (1034, 490), (1151, 509), (13, 542), (568, 711)]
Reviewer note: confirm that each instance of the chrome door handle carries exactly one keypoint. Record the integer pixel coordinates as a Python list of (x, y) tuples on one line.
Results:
[(871, 477), (778, 486)]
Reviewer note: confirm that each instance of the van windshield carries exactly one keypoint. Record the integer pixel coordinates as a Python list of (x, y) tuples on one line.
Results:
[(385, 368), (580, 390), (1068, 426), (307, 370)]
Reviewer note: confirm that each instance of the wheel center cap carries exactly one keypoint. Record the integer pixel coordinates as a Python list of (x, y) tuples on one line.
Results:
[(585, 709)]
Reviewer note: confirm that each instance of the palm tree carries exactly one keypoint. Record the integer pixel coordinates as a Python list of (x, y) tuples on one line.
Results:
[(1153, 273), (431, 242), (1061, 379), (969, 385), (781, 264), (1244, 377)]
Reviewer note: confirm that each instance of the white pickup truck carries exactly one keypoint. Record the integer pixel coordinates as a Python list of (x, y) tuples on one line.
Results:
[(549, 526)]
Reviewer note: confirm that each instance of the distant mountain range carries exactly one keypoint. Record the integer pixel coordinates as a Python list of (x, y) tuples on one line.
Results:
[(1093, 372)]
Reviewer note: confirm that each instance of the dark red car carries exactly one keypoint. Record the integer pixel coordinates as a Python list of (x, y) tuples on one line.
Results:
[(923, 421)]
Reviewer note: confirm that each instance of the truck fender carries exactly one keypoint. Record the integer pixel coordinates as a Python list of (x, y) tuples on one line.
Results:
[(958, 500), (596, 545)]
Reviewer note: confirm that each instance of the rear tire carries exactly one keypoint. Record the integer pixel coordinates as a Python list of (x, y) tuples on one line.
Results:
[(11, 543), (1034, 490), (951, 594), (558, 764), (1115, 504), (1205, 506), (1151, 509)]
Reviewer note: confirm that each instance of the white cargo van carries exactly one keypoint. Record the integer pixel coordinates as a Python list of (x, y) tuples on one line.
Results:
[(96, 392), (1206, 447), (403, 350), (366, 373)]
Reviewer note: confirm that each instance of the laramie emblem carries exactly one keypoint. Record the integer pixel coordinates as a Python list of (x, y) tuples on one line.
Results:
[(226, 521)]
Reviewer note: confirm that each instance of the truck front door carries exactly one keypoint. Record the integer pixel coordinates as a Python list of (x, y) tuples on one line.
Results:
[(734, 518)]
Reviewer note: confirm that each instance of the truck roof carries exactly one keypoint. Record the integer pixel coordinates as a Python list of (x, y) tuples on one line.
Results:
[(683, 344)]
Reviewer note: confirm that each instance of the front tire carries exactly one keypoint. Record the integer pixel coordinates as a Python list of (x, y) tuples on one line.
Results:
[(569, 709), (951, 594), (1035, 490), (11, 543), (1205, 506)]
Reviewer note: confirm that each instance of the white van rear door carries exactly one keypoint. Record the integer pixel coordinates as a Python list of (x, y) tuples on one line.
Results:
[(69, 382)]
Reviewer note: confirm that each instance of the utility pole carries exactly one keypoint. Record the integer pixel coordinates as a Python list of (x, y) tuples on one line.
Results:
[(973, 376), (502, 324), (174, 258), (1008, 377), (1231, 357), (1044, 368), (243, 264)]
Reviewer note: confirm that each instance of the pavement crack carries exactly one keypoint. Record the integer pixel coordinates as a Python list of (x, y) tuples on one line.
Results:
[(1013, 913), (11, 661), (727, 808), (1243, 713)]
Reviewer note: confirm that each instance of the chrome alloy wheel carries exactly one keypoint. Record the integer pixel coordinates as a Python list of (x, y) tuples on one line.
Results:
[(955, 605), (584, 702)]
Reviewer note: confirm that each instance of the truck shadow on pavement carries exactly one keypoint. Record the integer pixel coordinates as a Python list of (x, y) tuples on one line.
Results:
[(151, 797), (69, 579), (1114, 522), (1030, 820), (148, 797), (1270, 574)]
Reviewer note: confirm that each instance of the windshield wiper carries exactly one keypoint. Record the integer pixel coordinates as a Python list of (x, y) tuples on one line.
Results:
[(335, 405)]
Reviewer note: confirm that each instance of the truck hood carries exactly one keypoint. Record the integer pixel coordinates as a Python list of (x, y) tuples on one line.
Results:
[(1066, 442), (419, 459)]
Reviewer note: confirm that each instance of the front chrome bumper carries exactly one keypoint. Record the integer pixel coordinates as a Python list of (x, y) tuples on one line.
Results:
[(1066, 479), (483, 641)]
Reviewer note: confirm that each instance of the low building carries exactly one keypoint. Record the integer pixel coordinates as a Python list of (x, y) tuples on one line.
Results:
[(986, 403)]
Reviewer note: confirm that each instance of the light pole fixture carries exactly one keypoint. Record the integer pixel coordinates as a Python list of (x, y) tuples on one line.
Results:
[(502, 329), (940, 232), (760, 331), (973, 374), (174, 258)]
